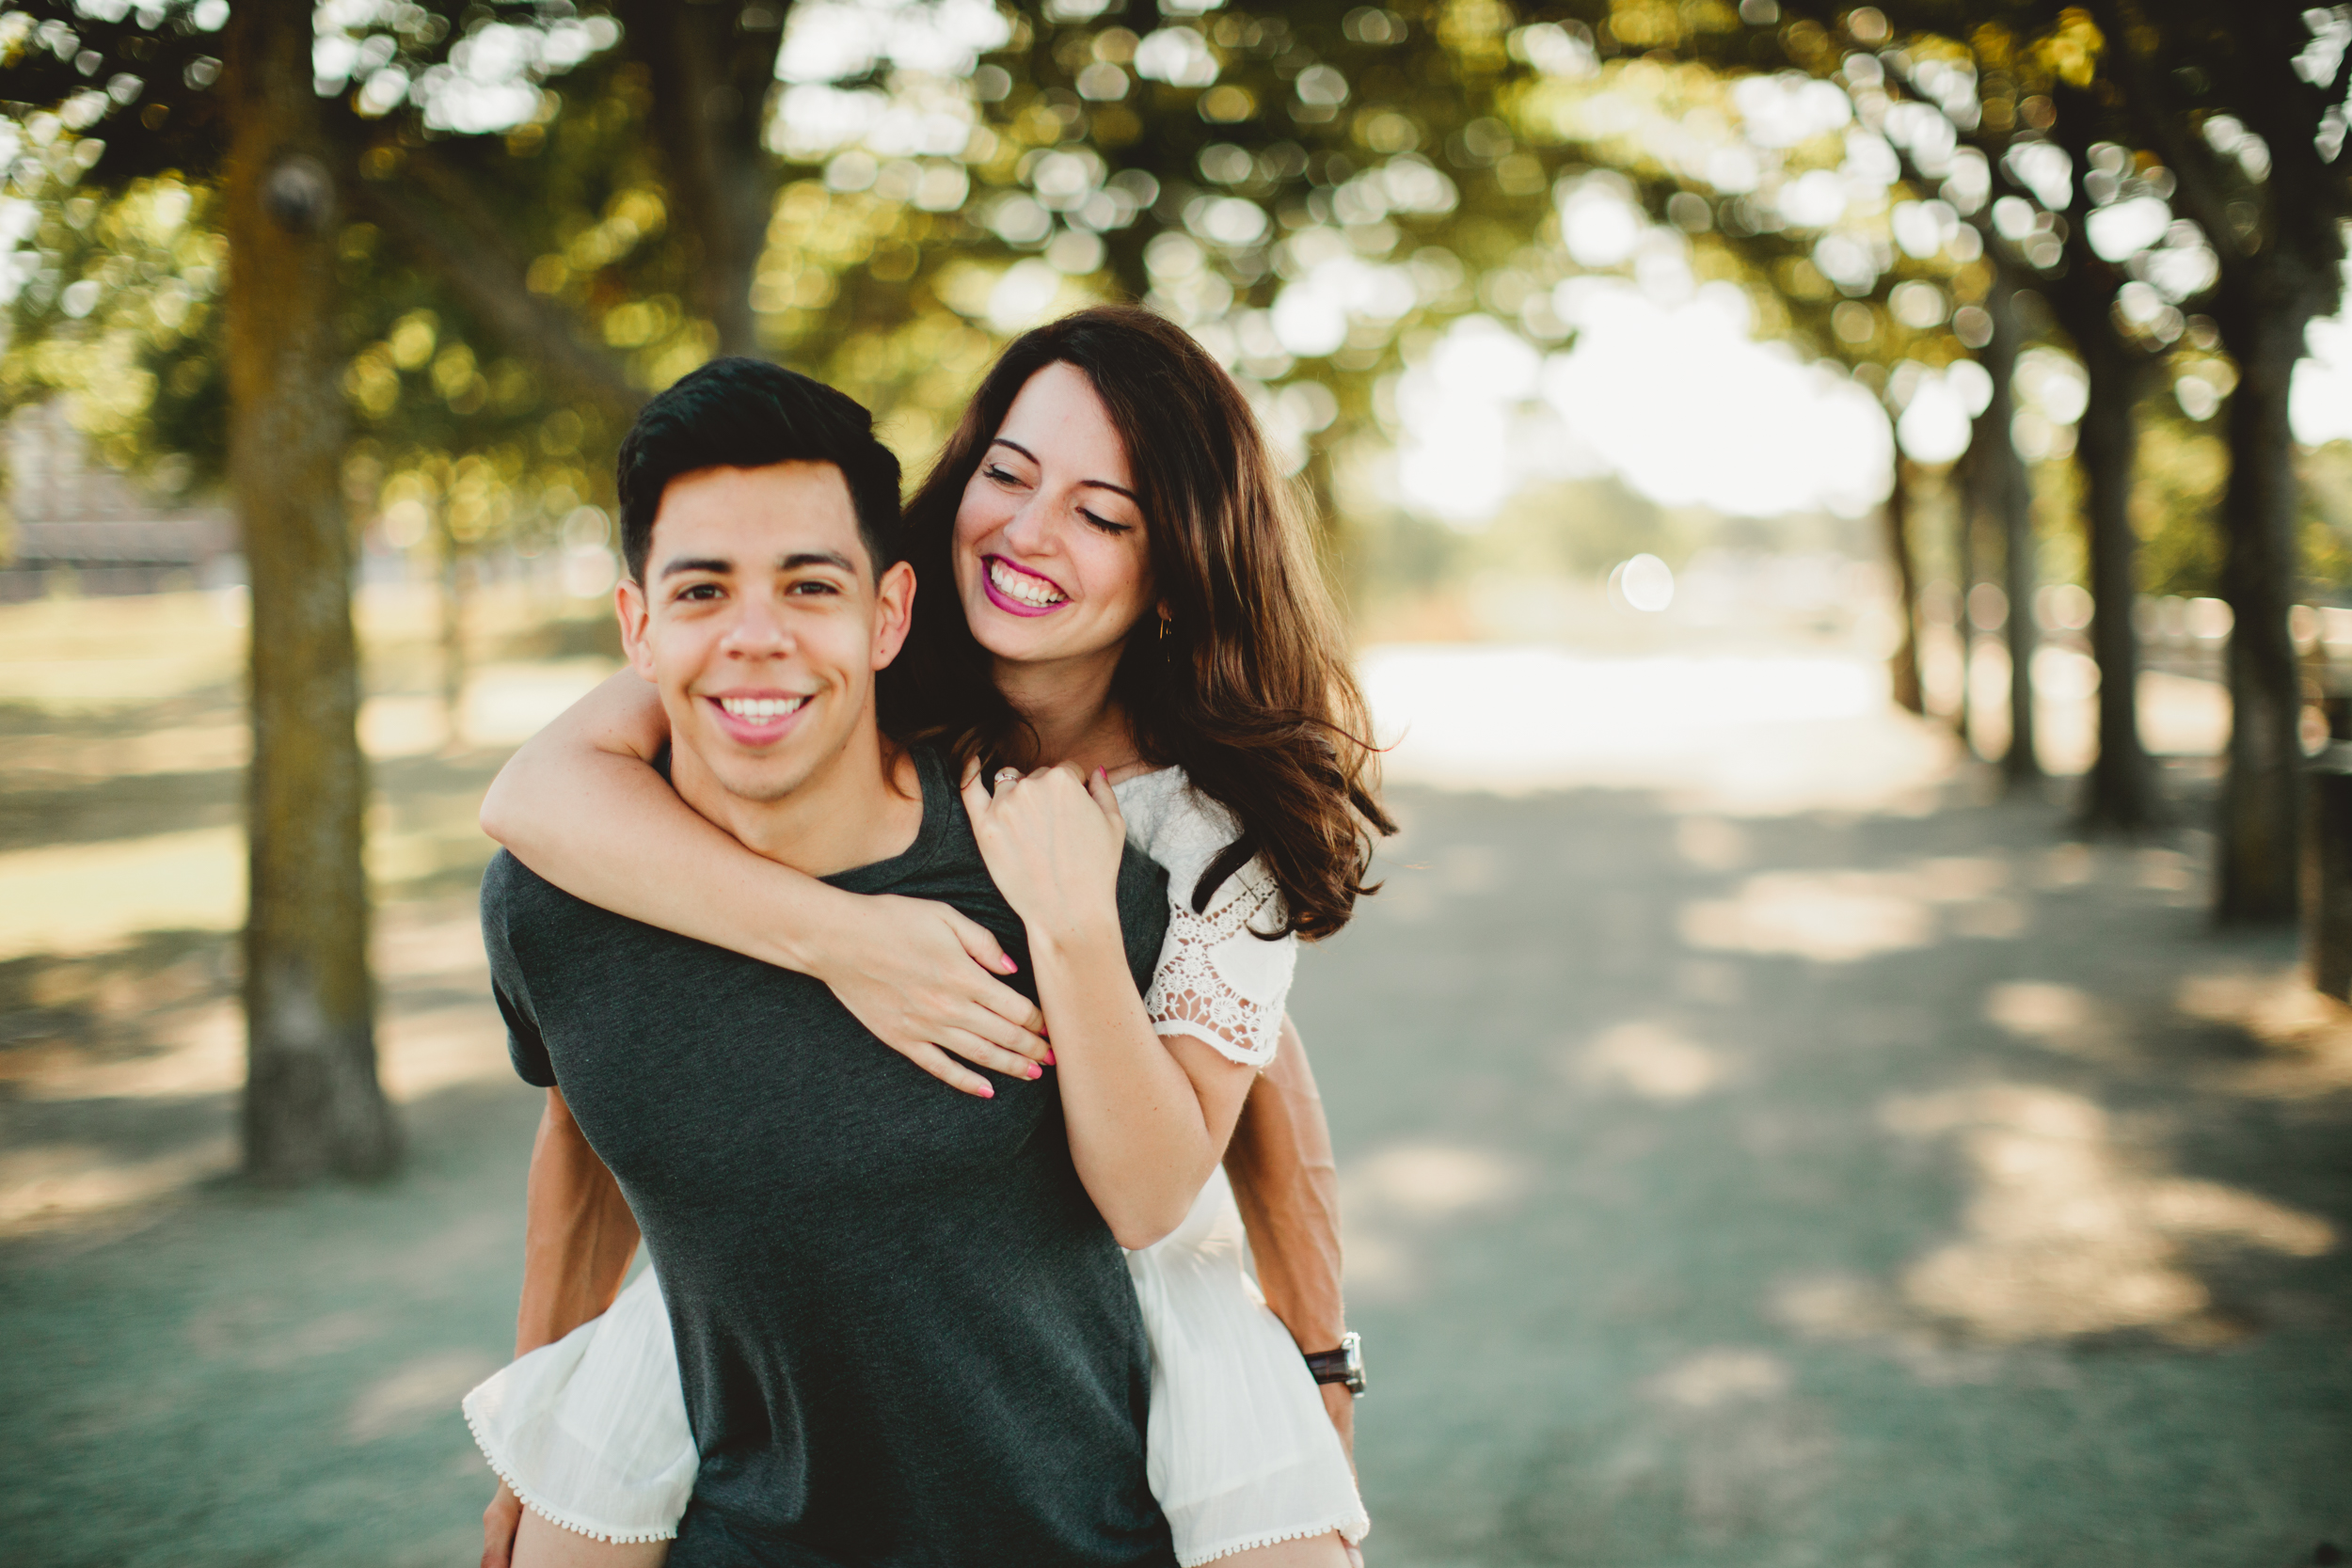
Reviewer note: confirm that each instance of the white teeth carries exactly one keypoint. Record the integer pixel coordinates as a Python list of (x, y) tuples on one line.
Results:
[(1020, 585), (758, 710)]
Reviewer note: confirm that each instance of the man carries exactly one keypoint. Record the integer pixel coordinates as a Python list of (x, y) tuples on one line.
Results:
[(904, 1334)]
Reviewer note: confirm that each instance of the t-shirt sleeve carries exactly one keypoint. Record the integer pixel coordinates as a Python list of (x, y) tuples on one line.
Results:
[(525, 1047)]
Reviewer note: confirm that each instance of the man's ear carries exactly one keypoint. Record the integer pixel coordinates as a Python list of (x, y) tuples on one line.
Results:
[(635, 608), (894, 612)]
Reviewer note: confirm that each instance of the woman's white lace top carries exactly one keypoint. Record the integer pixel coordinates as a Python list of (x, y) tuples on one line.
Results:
[(1215, 980)]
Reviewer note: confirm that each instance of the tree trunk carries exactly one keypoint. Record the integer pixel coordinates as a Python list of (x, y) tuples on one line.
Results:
[(2261, 791), (1903, 665), (1965, 488), (2278, 274), (313, 1103), (2121, 793), (2001, 488), (711, 78), (452, 629)]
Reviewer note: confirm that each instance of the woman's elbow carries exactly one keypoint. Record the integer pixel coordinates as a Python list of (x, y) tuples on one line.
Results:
[(492, 818), (497, 809), (1139, 1226), (1135, 1238), (502, 817)]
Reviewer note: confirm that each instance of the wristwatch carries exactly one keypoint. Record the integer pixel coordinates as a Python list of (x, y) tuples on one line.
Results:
[(1343, 1366)]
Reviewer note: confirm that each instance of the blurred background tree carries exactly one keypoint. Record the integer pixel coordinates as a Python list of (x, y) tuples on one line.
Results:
[(1981, 225), (487, 288)]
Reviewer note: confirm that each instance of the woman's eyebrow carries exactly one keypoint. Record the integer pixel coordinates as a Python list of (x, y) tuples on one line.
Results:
[(1091, 484)]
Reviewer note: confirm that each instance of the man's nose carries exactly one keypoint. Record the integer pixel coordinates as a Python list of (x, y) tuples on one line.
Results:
[(757, 630)]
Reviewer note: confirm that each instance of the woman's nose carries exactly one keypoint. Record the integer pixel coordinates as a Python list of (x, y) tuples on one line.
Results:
[(1031, 527)]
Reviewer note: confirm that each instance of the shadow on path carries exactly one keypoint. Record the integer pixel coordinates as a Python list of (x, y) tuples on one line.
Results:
[(1909, 1187), (1905, 1188)]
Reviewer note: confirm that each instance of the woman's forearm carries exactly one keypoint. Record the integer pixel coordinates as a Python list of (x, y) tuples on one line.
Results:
[(1145, 1128), (614, 833), (1286, 1184), (580, 804)]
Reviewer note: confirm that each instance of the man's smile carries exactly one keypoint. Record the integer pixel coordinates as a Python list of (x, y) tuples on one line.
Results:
[(759, 718)]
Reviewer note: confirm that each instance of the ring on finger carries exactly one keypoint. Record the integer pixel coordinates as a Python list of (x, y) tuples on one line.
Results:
[(1007, 775)]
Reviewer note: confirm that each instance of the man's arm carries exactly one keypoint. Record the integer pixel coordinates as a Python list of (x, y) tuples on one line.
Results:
[(578, 1233), (1288, 1189), (577, 1238)]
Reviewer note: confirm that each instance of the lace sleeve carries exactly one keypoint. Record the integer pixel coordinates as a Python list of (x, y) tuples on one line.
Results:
[(1218, 982)]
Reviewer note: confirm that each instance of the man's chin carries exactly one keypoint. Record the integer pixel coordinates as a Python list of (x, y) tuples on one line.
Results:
[(760, 775), (764, 779)]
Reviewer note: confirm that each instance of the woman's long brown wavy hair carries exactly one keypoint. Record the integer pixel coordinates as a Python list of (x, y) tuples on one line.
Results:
[(1249, 691)]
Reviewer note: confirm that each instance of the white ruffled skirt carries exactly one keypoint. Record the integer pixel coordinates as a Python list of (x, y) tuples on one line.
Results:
[(591, 1431)]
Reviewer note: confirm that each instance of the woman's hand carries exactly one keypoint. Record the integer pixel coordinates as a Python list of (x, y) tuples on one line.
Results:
[(918, 976), (1051, 841)]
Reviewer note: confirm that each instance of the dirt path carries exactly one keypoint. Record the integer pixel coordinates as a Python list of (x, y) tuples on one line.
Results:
[(1887, 1181), (1840, 1188)]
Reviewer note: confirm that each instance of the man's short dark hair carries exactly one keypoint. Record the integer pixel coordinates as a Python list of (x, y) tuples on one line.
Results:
[(743, 413)]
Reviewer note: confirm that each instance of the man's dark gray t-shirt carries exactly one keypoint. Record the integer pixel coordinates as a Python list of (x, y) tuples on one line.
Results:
[(905, 1335)]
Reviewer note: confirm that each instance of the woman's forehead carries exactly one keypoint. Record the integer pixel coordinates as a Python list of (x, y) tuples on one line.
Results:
[(1059, 418)]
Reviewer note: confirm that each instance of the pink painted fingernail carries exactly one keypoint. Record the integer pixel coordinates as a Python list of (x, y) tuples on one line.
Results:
[(988, 1091), (1049, 1056), (1036, 1072), (1011, 967)]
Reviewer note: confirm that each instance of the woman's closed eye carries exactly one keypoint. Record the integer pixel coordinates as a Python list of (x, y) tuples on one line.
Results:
[(1001, 475), (1105, 524)]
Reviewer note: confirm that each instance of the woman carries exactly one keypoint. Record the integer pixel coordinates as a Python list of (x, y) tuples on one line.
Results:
[(1137, 643)]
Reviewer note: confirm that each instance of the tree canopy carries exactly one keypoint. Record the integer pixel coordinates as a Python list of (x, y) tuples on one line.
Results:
[(1999, 229)]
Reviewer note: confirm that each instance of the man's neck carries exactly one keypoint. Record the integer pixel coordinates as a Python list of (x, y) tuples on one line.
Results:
[(1068, 707), (866, 805)]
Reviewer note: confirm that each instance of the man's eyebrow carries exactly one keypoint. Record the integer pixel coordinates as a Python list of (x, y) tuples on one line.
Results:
[(1093, 484), (798, 561)]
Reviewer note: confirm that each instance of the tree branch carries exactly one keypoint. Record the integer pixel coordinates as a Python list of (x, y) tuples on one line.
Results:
[(710, 96), (472, 258), (2342, 85), (2193, 174)]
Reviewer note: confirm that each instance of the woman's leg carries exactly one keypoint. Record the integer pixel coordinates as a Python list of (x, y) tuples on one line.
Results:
[(540, 1543), (1322, 1551)]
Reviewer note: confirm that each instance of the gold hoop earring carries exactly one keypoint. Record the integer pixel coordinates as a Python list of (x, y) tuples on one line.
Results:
[(1164, 620)]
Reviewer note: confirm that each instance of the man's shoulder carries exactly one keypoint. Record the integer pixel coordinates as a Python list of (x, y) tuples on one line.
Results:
[(944, 859), (510, 888), (517, 902)]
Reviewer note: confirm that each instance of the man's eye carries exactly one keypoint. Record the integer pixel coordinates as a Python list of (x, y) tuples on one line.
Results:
[(699, 590), (813, 586)]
